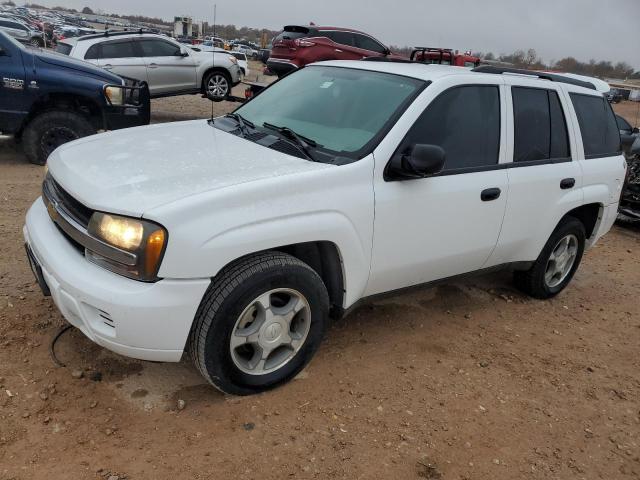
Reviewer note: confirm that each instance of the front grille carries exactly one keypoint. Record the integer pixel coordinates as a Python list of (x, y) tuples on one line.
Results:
[(58, 196)]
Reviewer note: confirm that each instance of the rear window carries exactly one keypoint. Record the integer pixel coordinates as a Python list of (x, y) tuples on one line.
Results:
[(540, 129), (600, 134), (291, 33), (63, 48)]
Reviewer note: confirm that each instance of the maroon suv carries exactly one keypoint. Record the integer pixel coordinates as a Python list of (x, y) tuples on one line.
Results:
[(299, 45)]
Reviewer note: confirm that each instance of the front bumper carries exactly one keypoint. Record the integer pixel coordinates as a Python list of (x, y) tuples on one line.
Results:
[(149, 321)]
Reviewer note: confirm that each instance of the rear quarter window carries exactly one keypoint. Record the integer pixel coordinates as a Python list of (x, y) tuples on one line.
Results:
[(63, 48), (598, 127)]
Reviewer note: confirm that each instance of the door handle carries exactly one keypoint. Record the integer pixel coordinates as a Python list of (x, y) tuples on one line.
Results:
[(489, 194), (153, 65), (567, 183), (108, 66), (338, 50)]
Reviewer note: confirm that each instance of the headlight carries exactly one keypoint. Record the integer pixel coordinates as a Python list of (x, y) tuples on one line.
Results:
[(115, 95), (136, 245)]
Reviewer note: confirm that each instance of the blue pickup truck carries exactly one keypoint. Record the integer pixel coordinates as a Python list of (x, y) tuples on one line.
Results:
[(47, 99)]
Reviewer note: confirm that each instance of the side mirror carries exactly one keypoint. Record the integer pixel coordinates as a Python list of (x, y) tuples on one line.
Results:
[(183, 53), (387, 51), (422, 161), (635, 148), (635, 130)]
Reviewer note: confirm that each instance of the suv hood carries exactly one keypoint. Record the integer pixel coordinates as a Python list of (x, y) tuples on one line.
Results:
[(134, 170), (63, 61)]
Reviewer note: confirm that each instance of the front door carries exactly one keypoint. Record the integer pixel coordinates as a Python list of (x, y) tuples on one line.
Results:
[(447, 224), (13, 96)]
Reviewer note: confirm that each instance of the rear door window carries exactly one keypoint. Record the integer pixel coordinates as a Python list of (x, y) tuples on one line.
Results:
[(540, 129), (119, 49), (368, 43), (343, 38), (600, 133), (465, 122)]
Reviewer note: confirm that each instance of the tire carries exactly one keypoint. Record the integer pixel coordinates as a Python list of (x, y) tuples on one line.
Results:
[(47, 131), (546, 278), (232, 297), (217, 85)]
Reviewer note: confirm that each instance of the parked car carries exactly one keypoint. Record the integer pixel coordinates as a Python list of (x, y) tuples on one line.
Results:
[(168, 67), (298, 45), (21, 32), (243, 62), (630, 198), (47, 100), (341, 181), (614, 96)]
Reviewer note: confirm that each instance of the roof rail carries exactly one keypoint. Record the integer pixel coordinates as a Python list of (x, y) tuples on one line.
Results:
[(532, 73), (117, 33)]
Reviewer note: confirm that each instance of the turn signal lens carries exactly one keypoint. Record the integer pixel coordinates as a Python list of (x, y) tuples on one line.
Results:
[(153, 252)]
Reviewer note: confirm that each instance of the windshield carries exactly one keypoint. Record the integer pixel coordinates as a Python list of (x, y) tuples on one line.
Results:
[(341, 109)]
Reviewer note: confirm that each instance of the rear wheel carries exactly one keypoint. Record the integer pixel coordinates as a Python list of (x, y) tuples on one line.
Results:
[(49, 130), (259, 323), (557, 263)]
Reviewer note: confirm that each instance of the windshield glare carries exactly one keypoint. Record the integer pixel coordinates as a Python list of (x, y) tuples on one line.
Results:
[(342, 109)]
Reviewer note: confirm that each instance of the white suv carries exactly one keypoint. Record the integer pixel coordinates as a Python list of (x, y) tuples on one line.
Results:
[(237, 239), (168, 67)]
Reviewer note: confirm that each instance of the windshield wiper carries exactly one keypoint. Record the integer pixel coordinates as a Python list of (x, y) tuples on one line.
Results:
[(243, 123), (302, 142)]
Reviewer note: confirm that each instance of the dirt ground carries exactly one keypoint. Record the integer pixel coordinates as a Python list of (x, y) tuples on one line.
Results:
[(467, 380)]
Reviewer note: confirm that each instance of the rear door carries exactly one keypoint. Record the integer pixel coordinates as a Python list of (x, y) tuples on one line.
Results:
[(545, 177), (344, 45), (121, 57), (602, 160), (168, 71), (13, 95), (368, 46)]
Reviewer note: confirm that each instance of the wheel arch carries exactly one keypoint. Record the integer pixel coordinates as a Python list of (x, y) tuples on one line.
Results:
[(66, 101), (213, 70), (589, 214), (323, 257)]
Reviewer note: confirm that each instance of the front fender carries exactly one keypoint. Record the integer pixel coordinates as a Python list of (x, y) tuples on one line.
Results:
[(333, 204)]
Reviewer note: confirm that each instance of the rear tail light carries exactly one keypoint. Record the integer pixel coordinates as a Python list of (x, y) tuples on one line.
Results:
[(301, 42), (248, 93)]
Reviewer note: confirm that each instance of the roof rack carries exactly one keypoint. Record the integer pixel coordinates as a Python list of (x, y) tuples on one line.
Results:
[(117, 33), (424, 50), (532, 73)]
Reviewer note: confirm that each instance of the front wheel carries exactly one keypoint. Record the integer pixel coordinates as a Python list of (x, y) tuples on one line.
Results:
[(49, 130), (259, 324), (217, 86), (557, 263)]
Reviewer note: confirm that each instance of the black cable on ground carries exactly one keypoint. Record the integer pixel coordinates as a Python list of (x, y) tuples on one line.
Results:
[(52, 346)]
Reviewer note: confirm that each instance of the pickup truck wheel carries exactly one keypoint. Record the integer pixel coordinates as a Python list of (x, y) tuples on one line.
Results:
[(217, 86), (557, 263), (259, 323), (49, 130)]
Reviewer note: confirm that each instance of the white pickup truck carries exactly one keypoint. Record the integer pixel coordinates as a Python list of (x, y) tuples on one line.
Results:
[(237, 239)]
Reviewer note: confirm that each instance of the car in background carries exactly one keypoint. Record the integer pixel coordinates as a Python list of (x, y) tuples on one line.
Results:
[(243, 62), (21, 32), (168, 67), (47, 99), (299, 45), (614, 96)]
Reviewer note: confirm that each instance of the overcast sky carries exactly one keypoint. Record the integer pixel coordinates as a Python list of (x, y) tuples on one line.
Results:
[(585, 29)]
